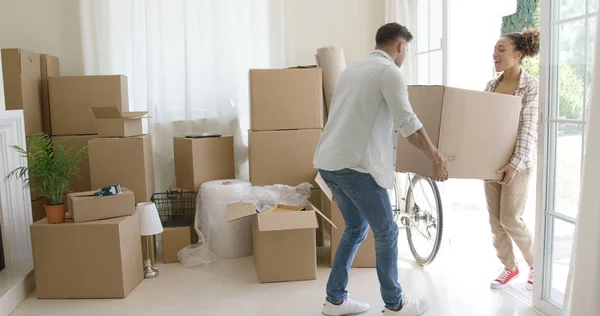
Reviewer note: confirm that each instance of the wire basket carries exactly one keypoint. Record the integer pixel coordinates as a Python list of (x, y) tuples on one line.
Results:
[(176, 208)]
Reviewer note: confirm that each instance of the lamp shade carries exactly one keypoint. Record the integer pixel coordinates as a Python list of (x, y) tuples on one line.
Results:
[(149, 220)]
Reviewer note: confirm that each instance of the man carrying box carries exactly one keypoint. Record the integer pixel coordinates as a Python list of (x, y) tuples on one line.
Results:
[(356, 158)]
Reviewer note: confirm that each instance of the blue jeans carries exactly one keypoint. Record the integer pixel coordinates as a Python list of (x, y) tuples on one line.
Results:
[(363, 203)]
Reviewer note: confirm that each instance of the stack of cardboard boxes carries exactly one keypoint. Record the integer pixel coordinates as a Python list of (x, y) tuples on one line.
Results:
[(97, 253), (198, 160), (25, 77), (286, 121)]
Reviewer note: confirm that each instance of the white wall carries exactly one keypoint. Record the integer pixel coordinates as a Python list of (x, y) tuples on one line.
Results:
[(42, 26), (311, 24)]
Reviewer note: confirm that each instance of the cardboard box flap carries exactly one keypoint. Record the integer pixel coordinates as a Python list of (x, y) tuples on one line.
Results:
[(239, 210), (291, 220), (108, 112), (111, 112), (326, 190)]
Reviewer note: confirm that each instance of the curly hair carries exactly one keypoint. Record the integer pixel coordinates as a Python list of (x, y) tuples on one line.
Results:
[(527, 42)]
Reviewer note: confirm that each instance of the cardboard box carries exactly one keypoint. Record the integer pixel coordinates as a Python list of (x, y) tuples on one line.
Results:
[(283, 157), (22, 77), (199, 160), (365, 256), (49, 66), (72, 97), (113, 123), (100, 259), (283, 240), (282, 99), (464, 124), (84, 184), (173, 240), (38, 212), (126, 161), (85, 207)]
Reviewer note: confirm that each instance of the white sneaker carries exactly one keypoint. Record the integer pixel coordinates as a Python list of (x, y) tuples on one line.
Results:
[(410, 307), (348, 307)]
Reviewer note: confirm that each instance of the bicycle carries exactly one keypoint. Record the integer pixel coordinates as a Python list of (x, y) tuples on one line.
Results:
[(422, 216)]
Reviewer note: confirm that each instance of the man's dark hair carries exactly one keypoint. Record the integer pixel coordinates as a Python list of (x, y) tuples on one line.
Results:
[(392, 32)]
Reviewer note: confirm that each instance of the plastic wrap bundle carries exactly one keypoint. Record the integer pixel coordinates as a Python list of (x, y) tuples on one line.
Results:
[(332, 62), (228, 240), (266, 197)]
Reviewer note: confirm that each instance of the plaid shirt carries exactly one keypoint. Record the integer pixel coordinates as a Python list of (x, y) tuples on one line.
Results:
[(527, 137)]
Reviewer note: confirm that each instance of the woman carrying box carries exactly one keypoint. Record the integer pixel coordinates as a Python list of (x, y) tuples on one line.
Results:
[(506, 199)]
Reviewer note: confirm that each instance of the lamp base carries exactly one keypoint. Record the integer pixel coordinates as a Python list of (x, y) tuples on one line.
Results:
[(149, 271)]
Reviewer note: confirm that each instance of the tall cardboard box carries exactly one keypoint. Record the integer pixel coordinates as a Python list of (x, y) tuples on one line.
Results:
[(283, 157), (83, 184), (49, 66), (199, 160), (283, 240), (38, 211), (478, 128), (126, 161), (21, 72), (282, 99), (72, 97), (103, 261), (113, 123)]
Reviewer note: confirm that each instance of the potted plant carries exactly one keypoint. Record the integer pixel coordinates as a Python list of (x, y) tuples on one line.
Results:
[(50, 169)]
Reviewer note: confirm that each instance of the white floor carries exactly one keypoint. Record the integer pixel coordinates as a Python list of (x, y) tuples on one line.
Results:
[(457, 283)]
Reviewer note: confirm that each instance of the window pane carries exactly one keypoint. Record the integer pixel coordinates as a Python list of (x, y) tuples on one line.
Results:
[(572, 60), (571, 8), (593, 6), (591, 42), (435, 24), (568, 168), (422, 25), (562, 243), (436, 61), (423, 69)]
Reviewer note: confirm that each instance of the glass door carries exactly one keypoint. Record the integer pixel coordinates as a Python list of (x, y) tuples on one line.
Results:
[(568, 38)]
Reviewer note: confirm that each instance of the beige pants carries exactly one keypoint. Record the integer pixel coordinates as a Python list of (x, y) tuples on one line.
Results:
[(506, 205)]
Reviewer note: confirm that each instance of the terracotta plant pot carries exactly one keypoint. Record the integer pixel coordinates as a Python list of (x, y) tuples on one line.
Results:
[(56, 213)]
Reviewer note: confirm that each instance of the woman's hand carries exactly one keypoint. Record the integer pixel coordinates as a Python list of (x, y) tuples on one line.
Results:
[(509, 174)]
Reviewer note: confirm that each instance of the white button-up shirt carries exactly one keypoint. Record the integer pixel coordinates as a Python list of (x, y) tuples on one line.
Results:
[(370, 105)]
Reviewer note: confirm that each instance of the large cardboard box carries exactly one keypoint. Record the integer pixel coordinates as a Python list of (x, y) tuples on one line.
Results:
[(199, 160), (478, 128), (83, 184), (126, 161), (85, 207), (283, 157), (72, 97), (283, 240), (113, 123), (21, 72), (49, 66), (100, 259), (282, 99), (365, 256), (174, 239)]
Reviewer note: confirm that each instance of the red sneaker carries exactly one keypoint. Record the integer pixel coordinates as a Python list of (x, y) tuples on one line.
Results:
[(530, 280), (504, 277)]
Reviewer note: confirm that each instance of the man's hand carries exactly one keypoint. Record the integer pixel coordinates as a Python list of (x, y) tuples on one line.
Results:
[(440, 168), (509, 174)]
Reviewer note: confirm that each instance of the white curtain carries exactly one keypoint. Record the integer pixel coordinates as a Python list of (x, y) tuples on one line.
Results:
[(187, 62), (399, 11), (583, 296)]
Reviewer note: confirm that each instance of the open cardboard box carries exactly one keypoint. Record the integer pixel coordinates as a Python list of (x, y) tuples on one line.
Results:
[(113, 123), (365, 256), (283, 239)]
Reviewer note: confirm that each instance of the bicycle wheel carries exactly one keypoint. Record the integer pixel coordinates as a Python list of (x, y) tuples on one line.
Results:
[(425, 219)]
